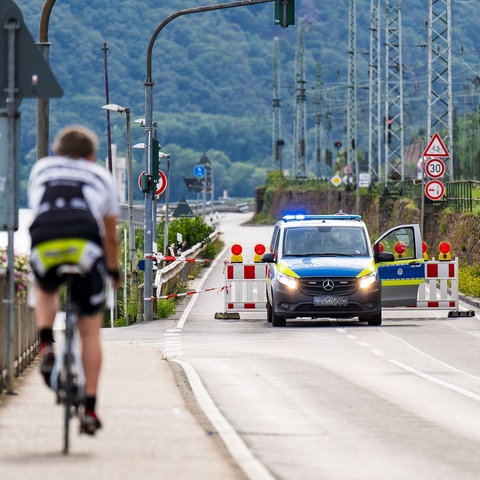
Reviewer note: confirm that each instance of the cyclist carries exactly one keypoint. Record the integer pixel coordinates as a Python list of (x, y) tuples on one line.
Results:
[(75, 212)]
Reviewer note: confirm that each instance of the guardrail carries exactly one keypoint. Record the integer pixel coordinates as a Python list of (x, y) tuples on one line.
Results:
[(180, 267), (25, 343)]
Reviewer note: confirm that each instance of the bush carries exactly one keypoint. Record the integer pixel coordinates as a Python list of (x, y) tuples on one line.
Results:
[(469, 281), (21, 266)]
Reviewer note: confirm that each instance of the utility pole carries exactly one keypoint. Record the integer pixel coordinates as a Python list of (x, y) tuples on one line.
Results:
[(351, 87), (393, 122), (439, 83), (319, 147), (277, 141), (374, 95), (300, 105), (328, 134)]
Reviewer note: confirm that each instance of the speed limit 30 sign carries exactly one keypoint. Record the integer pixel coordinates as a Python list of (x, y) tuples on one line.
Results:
[(435, 168)]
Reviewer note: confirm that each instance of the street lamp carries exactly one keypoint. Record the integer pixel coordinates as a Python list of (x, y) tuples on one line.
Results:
[(43, 106), (131, 229)]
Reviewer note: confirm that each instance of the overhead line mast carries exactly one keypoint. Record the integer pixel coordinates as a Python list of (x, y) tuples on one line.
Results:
[(375, 97), (393, 123), (352, 88), (319, 148), (439, 82), (300, 127), (277, 141)]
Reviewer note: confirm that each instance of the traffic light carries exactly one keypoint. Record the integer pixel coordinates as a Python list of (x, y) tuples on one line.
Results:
[(389, 130), (155, 159), (284, 13)]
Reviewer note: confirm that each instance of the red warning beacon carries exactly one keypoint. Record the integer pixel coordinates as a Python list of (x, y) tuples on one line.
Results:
[(236, 253), (444, 249), (259, 251)]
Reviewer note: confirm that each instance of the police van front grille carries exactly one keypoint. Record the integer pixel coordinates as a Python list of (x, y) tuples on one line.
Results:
[(328, 286)]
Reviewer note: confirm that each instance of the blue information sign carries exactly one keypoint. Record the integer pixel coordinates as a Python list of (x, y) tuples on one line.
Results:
[(199, 171)]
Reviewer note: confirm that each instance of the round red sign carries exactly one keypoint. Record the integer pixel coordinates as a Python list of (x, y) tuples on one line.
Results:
[(434, 190), (435, 168), (161, 185)]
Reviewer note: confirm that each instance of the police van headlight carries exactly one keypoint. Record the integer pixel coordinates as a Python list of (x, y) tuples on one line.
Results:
[(368, 280), (288, 281)]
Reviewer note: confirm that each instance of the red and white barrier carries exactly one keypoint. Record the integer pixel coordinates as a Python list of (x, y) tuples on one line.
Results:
[(440, 290), (245, 289)]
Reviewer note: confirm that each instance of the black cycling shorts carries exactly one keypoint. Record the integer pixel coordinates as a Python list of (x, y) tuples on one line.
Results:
[(88, 291)]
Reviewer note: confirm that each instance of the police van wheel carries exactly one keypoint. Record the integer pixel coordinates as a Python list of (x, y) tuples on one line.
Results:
[(375, 321), (269, 312), (277, 320)]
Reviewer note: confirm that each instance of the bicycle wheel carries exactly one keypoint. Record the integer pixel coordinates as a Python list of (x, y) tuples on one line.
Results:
[(68, 366), (68, 403)]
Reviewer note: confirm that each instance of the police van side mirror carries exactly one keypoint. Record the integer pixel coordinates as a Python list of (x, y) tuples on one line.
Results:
[(268, 257), (384, 257)]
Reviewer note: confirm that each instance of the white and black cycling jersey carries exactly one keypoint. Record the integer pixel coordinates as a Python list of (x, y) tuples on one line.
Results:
[(69, 198)]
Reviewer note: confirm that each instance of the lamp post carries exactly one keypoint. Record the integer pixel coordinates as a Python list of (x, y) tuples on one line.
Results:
[(43, 103), (131, 229)]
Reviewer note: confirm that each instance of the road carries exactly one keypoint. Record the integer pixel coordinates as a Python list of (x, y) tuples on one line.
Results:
[(337, 399)]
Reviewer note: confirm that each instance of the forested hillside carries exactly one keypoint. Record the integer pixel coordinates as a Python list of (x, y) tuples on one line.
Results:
[(213, 77)]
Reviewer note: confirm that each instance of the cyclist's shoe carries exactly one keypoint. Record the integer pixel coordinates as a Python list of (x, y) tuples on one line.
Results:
[(89, 422), (47, 361)]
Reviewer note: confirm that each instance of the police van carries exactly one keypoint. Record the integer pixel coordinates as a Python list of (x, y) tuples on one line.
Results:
[(324, 266)]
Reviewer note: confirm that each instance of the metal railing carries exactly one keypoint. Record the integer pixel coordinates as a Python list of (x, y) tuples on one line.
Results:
[(25, 336), (179, 269)]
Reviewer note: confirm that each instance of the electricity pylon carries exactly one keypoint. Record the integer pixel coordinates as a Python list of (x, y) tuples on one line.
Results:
[(393, 120), (439, 83), (375, 98), (277, 141), (300, 127)]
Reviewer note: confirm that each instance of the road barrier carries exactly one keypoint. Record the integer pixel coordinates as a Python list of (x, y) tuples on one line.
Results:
[(244, 289), (440, 290)]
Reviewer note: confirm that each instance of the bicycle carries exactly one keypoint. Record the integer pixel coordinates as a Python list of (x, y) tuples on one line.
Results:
[(67, 378)]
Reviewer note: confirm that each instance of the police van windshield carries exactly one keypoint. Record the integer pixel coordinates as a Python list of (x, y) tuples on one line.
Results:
[(324, 240)]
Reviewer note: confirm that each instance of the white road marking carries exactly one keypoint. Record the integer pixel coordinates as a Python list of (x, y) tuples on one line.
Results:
[(430, 378), (251, 466)]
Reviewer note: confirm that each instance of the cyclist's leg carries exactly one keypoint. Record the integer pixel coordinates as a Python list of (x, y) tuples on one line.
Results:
[(47, 301), (89, 296), (89, 329), (46, 307)]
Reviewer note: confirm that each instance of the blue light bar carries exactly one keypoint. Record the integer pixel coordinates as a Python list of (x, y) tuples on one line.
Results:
[(337, 216)]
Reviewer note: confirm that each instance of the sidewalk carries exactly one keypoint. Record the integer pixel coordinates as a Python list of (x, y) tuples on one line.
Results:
[(149, 430)]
